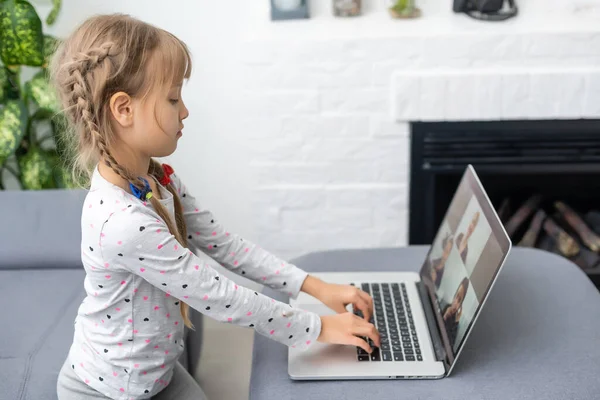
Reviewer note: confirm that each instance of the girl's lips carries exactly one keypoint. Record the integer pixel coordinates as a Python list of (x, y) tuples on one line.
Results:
[(179, 134)]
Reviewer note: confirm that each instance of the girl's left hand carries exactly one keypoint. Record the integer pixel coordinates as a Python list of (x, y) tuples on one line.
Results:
[(337, 297)]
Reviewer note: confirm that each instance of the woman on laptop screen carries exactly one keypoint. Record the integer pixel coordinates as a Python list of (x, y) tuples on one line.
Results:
[(436, 266), (453, 311), (462, 239)]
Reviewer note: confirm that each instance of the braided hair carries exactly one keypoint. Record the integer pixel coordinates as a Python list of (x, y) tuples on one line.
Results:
[(107, 54)]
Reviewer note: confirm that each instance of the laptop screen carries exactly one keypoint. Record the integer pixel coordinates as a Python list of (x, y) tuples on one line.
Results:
[(464, 259)]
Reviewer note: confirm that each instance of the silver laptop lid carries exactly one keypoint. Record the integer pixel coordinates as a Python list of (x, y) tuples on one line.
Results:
[(463, 262)]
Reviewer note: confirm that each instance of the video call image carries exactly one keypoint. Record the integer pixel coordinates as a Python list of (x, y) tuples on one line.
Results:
[(456, 265), (472, 234)]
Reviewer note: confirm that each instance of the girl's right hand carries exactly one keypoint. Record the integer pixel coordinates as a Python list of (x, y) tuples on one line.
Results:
[(345, 328)]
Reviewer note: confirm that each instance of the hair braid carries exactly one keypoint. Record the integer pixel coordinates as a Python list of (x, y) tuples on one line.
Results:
[(95, 56), (180, 228)]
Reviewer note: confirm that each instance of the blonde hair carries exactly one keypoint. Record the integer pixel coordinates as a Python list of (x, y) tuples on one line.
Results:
[(107, 54)]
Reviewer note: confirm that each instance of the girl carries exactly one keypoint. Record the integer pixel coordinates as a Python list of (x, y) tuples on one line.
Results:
[(120, 81)]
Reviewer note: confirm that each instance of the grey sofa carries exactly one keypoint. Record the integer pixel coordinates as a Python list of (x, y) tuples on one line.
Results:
[(41, 288)]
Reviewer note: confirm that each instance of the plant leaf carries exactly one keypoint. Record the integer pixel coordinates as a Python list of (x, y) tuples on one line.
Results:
[(13, 122), (60, 129), (50, 45), (51, 18), (43, 93), (12, 91), (62, 176), (4, 83), (21, 39), (37, 170)]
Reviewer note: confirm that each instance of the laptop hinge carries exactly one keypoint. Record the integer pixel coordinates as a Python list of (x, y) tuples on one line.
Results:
[(438, 346)]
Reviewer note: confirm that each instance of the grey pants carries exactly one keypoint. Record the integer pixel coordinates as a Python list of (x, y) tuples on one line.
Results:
[(182, 386)]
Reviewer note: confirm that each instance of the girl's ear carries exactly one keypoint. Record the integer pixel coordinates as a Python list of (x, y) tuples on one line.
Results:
[(121, 108)]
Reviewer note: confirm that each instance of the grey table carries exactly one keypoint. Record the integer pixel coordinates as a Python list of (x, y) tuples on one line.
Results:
[(538, 336)]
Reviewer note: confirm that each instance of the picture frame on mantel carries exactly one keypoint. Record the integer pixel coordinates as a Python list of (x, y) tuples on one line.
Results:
[(289, 9)]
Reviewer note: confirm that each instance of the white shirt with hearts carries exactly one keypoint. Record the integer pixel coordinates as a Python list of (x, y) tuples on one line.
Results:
[(129, 330)]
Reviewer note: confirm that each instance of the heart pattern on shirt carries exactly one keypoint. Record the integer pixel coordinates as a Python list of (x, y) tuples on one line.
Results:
[(150, 270)]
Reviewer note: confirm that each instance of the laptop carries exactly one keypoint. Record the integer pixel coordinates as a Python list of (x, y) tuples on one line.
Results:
[(425, 318)]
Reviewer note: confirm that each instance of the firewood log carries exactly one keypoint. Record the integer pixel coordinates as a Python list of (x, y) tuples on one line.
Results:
[(531, 236), (565, 243), (587, 236), (522, 214), (585, 259)]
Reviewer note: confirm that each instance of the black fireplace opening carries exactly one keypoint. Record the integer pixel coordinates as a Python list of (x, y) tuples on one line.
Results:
[(543, 178)]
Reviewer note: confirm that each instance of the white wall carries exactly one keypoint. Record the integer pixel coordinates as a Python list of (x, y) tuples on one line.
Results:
[(291, 139)]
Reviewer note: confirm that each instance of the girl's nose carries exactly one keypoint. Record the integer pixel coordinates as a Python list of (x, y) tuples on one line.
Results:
[(185, 114)]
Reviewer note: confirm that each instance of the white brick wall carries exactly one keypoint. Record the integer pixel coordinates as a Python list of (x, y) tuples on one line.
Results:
[(327, 119)]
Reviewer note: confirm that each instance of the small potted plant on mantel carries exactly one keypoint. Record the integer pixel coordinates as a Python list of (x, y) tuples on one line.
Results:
[(404, 9)]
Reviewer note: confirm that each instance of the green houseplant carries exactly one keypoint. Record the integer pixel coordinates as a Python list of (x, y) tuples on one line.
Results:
[(30, 119), (404, 9)]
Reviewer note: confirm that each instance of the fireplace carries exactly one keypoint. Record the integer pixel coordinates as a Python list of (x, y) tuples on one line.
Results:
[(543, 178)]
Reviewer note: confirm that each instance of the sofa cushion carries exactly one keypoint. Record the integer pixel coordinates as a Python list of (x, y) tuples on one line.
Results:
[(38, 311), (37, 318), (41, 228)]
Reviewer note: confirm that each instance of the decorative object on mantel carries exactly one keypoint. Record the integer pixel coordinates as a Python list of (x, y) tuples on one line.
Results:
[(487, 10), (346, 8), (404, 9), (289, 9), (586, 9)]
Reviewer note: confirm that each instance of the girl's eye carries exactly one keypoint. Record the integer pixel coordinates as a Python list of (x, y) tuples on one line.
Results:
[(174, 101)]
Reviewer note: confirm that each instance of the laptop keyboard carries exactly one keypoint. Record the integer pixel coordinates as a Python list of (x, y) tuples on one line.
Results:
[(394, 321)]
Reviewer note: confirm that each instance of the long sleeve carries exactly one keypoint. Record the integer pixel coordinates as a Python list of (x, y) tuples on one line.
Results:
[(135, 240), (233, 252)]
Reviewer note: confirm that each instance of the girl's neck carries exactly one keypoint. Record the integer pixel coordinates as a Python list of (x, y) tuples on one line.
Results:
[(113, 177), (132, 161)]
